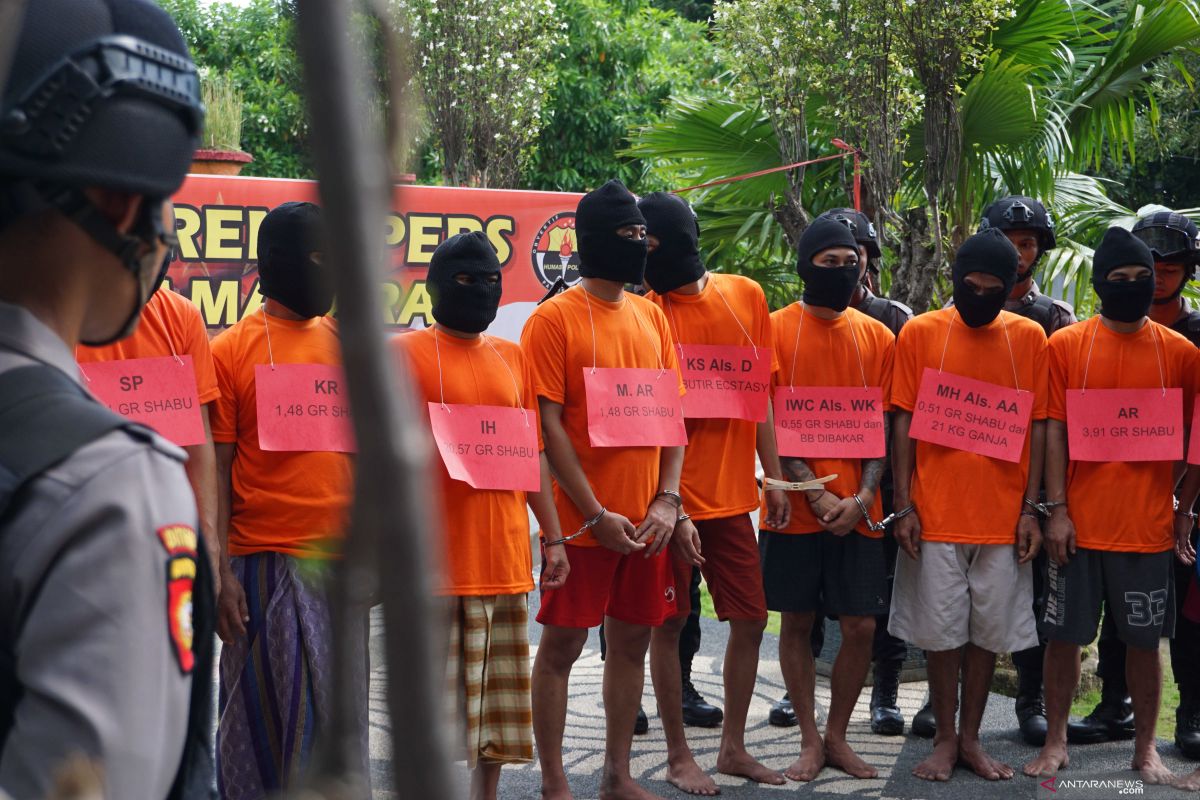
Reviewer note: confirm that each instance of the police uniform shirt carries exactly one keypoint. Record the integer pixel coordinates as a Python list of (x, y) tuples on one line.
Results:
[(1051, 316), (1188, 323), (85, 563), (890, 312)]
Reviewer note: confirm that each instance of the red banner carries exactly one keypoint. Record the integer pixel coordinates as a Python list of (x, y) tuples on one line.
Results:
[(217, 220), (1125, 424), (830, 421), (975, 416)]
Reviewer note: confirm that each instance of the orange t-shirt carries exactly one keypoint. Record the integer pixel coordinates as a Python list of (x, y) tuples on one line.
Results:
[(285, 502), (962, 497), (718, 464), (828, 357), (486, 541), (1118, 505), (170, 325), (559, 342)]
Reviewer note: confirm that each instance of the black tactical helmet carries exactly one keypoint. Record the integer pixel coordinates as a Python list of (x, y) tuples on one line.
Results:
[(101, 93), (860, 227), (1171, 237), (1018, 212)]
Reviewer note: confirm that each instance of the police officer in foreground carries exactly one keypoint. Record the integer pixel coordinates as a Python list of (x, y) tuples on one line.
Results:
[(888, 652), (1174, 240), (105, 596)]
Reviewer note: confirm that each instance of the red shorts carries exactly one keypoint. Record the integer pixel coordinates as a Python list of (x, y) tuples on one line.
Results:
[(731, 568), (602, 582)]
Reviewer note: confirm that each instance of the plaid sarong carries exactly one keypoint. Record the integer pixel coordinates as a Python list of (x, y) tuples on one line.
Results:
[(487, 678), (276, 692)]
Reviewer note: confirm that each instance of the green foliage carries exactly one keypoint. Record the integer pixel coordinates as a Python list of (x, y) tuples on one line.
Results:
[(222, 113), (620, 63), (253, 44)]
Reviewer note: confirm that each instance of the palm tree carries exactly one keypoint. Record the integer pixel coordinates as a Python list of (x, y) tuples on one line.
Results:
[(1061, 85)]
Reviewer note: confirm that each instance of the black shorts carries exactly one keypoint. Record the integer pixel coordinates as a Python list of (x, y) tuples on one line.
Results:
[(824, 574), (1139, 589)]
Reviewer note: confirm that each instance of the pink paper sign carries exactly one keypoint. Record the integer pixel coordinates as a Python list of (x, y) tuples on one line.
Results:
[(157, 392), (633, 408), (488, 447), (970, 415), (1125, 424), (830, 421), (1193, 453), (725, 381), (302, 407)]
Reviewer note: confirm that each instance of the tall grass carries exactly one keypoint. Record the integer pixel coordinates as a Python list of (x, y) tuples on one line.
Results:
[(223, 118)]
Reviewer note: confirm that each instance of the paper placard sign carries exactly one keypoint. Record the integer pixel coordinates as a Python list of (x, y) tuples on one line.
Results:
[(633, 408), (488, 447), (302, 407), (830, 421), (160, 393), (1193, 452), (975, 416), (725, 381), (1125, 424)]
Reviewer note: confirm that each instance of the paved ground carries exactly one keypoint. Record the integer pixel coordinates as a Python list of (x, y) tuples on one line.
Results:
[(893, 756)]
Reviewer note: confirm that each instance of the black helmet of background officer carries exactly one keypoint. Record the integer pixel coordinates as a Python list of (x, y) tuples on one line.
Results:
[(1030, 228), (98, 124), (1174, 241), (863, 231)]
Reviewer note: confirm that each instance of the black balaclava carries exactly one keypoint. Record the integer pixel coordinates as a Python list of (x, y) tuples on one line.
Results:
[(990, 252), (602, 253), (287, 274), (676, 261), (827, 287), (470, 307), (1123, 301)]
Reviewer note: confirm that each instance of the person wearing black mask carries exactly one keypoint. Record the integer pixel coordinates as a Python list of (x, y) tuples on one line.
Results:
[(289, 261), (618, 500), (963, 592), (459, 370), (713, 310), (1112, 533), (828, 558)]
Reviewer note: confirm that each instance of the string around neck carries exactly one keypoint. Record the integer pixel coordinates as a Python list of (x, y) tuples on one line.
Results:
[(166, 330), (662, 369), (486, 340), (862, 371), (267, 328), (1158, 357), (1011, 357), (717, 289)]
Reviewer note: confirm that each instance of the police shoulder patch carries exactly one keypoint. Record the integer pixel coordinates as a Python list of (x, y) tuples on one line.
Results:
[(180, 542)]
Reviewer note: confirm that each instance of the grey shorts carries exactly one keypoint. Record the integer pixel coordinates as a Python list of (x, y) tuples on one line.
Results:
[(959, 593), (1139, 588)]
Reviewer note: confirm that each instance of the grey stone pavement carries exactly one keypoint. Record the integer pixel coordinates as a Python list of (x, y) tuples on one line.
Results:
[(1107, 765)]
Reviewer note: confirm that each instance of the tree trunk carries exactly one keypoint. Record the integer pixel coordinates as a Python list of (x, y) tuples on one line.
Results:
[(914, 275)]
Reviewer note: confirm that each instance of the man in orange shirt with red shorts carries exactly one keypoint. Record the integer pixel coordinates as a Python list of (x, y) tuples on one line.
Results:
[(722, 328), (616, 465)]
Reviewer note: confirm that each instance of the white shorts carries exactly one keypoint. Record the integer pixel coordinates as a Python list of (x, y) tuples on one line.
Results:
[(959, 593)]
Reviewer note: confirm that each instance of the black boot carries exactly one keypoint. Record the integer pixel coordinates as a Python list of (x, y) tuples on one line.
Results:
[(1187, 724), (697, 711), (782, 714), (1112, 718), (643, 723), (924, 724), (1031, 707), (886, 719)]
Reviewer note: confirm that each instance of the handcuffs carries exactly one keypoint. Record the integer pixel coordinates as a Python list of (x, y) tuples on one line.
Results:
[(672, 496), (819, 483), (1043, 508)]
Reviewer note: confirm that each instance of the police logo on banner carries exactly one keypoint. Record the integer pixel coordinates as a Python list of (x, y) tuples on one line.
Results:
[(556, 251)]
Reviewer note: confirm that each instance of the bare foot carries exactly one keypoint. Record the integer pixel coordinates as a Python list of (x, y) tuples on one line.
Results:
[(808, 765), (686, 776), (972, 754), (1152, 769), (557, 793), (613, 787), (1049, 761), (940, 765), (839, 755), (1189, 783), (739, 764)]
